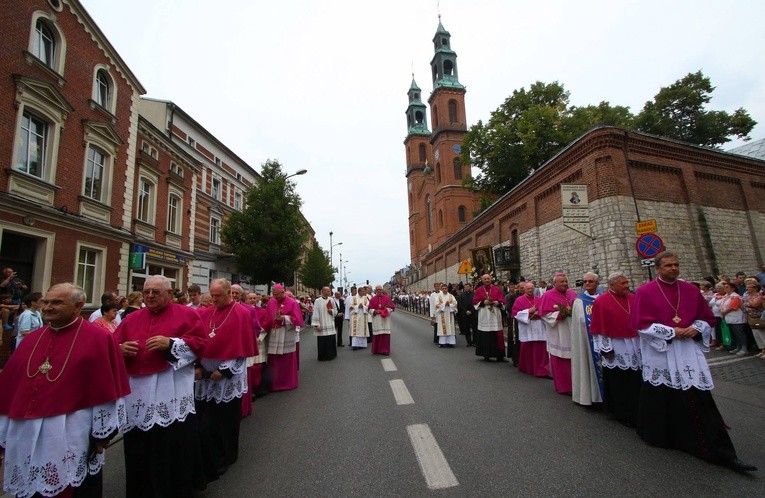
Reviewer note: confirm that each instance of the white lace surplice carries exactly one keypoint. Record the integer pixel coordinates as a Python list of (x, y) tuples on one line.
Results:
[(626, 351), (528, 329), (45, 455), (164, 397), (224, 390), (673, 362), (282, 340)]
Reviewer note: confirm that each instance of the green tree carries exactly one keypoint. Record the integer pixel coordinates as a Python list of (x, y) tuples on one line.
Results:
[(316, 271), (529, 128), (267, 237), (678, 111)]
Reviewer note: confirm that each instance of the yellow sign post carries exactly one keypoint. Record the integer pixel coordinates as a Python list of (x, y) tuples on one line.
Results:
[(644, 227), (465, 267)]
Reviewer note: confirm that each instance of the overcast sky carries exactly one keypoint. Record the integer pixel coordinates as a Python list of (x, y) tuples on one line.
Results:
[(322, 85)]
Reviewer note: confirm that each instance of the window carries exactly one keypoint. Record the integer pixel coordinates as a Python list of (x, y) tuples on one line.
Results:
[(175, 168), (438, 173), (192, 142), (429, 211), (174, 206), (94, 173), (44, 43), (217, 161), (461, 214), (86, 271), (435, 116), (214, 230), (423, 153), (103, 89), (238, 200), (452, 111), (457, 169), (440, 219), (145, 200), (215, 188), (33, 145)]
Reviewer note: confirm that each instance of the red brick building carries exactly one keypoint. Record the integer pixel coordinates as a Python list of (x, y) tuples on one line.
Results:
[(438, 205), (68, 137)]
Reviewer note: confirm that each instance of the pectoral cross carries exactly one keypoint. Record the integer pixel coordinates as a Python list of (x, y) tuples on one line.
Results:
[(676, 319), (688, 370), (212, 332), (46, 366)]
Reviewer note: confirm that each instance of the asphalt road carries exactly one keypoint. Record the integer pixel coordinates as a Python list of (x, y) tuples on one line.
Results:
[(496, 432)]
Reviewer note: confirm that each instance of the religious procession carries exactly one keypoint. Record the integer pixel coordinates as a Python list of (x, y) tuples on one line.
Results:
[(638, 356), (170, 373)]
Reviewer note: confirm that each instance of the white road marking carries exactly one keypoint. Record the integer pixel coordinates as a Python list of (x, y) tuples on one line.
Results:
[(716, 362), (401, 393), (388, 365), (432, 462)]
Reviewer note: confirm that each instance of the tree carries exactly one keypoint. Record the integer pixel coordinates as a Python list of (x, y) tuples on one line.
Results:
[(524, 132), (268, 235), (678, 112), (316, 271)]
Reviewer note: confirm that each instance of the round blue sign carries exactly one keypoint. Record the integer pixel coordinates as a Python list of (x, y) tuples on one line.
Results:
[(649, 245), (457, 149)]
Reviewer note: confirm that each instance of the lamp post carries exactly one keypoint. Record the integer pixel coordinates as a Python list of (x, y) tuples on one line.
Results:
[(331, 260), (297, 173)]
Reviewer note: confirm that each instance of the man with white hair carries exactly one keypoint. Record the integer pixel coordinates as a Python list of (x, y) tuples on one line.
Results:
[(533, 358), (160, 344), (61, 402), (586, 379), (619, 347)]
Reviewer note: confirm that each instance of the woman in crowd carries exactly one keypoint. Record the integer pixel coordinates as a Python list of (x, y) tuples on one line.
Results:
[(753, 307), (134, 302), (731, 310), (108, 318)]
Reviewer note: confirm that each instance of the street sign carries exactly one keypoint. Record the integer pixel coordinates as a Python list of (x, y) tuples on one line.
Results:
[(465, 267), (648, 263), (649, 245), (647, 226)]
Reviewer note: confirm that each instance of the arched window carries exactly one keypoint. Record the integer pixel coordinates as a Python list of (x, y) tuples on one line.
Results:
[(44, 43), (435, 116), (103, 89), (440, 219), (438, 173), (418, 117), (457, 169), (514, 238), (423, 153), (453, 111), (429, 211), (448, 67), (461, 214)]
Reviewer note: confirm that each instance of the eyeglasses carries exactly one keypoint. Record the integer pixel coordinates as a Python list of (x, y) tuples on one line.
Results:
[(589, 281), (152, 292)]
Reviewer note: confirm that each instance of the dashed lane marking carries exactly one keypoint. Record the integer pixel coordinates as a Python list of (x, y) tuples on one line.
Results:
[(401, 393), (388, 365), (433, 464)]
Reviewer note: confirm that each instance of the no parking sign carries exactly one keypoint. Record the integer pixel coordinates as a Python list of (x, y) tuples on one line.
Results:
[(649, 245)]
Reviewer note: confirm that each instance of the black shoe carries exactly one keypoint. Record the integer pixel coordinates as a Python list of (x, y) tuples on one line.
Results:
[(440, 345), (740, 466), (341, 345), (501, 360)]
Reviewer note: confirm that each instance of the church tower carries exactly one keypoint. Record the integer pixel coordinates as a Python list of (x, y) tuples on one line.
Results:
[(438, 204)]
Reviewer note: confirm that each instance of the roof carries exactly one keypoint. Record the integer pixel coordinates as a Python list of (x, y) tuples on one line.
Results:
[(754, 149)]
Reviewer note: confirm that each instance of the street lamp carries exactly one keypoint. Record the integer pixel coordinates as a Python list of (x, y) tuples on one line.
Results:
[(331, 260), (297, 173)]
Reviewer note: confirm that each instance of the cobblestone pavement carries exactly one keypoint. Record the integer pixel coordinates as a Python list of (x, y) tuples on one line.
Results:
[(747, 370)]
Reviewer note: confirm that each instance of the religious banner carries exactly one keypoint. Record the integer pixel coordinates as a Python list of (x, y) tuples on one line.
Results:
[(483, 260), (576, 214)]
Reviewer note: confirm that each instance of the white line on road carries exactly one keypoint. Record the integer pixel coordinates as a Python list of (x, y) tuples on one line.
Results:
[(432, 461), (388, 365), (401, 393), (716, 362)]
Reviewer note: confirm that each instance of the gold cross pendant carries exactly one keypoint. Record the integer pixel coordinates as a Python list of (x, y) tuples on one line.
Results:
[(676, 319), (45, 367)]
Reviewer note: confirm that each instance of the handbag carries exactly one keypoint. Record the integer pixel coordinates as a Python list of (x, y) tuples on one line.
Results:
[(725, 333), (757, 323)]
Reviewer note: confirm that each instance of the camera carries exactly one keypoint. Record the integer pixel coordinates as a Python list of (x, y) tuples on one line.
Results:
[(579, 283)]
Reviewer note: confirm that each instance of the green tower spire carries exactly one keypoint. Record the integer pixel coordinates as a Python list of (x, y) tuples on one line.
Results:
[(444, 63), (416, 115)]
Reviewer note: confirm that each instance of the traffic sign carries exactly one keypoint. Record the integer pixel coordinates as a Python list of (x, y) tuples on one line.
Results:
[(647, 226), (649, 245), (465, 267)]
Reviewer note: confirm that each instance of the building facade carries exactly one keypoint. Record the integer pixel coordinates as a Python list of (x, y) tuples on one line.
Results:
[(68, 136)]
